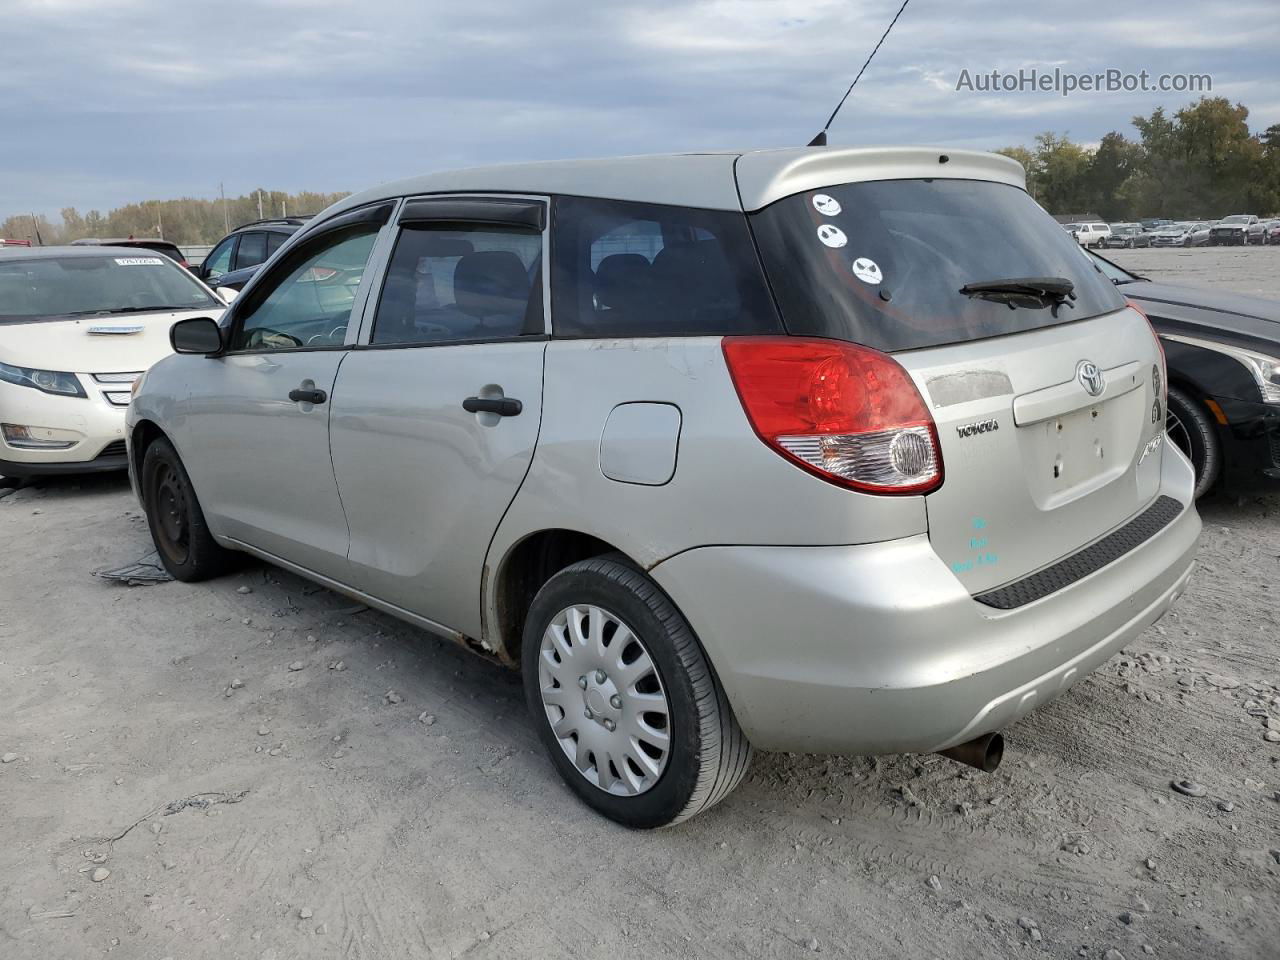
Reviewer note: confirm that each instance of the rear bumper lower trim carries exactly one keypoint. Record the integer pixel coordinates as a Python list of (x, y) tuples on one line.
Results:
[(1092, 558)]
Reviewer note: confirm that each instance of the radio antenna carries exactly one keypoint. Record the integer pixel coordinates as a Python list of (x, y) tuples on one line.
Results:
[(821, 139)]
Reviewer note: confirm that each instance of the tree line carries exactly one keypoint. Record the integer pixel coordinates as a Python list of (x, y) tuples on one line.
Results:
[(184, 221), (1200, 163)]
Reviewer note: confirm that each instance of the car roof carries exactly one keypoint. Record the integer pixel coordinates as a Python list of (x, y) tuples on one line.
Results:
[(729, 180), (119, 241), (47, 253)]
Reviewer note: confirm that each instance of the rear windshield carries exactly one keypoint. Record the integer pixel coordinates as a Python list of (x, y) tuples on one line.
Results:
[(54, 287), (882, 263)]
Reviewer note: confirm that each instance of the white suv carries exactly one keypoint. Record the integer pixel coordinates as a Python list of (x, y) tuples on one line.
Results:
[(1092, 234), (820, 450)]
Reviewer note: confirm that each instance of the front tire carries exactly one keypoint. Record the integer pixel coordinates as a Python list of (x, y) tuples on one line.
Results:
[(182, 538), (624, 700), (1192, 431)]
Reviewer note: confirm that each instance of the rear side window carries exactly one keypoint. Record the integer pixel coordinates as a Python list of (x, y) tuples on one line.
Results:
[(882, 263), (275, 241), (449, 283), (645, 270), (253, 250)]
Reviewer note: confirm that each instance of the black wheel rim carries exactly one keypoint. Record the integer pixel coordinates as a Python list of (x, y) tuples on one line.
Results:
[(171, 505)]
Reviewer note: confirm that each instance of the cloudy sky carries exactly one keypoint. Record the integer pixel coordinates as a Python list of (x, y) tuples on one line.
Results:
[(109, 101)]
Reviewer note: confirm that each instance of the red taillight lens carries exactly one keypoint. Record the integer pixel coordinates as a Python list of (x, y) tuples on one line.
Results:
[(847, 413), (1162, 386)]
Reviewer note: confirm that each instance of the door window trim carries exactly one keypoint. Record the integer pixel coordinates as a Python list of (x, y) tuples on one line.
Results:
[(392, 232), (380, 212)]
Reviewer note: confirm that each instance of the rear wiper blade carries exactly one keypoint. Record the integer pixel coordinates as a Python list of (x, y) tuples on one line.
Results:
[(1024, 291)]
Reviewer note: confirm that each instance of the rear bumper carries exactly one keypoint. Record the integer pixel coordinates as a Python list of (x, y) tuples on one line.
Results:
[(877, 648)]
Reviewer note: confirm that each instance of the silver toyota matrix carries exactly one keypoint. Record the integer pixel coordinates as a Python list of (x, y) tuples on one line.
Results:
[(830, 450)]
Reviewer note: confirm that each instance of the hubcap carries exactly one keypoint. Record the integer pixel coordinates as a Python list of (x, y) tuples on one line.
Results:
[(604, 700)]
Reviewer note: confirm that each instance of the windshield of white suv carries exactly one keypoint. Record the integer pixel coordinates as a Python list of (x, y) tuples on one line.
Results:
[(883, 263), (36, 288)]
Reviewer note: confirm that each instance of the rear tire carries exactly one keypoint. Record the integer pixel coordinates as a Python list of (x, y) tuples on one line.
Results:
[(1191, 429), (607, 656), (182, 538)]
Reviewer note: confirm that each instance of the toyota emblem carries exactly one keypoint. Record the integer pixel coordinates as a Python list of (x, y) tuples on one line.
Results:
[(1090, 376)]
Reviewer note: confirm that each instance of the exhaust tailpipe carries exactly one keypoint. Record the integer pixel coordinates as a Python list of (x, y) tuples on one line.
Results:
[(984, 752)]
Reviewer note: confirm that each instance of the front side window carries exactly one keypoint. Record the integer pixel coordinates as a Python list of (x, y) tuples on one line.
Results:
[(451, 283), (218, 261), (882, 263), (310, 305), (33, 288), (623, 269), (252, 251)]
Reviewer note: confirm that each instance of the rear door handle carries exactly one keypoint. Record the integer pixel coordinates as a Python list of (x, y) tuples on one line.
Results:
[(300, 395), (502, 406)]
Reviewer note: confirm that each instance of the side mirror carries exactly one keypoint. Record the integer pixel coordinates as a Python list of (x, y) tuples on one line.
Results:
[(199, 335), (227, 293)]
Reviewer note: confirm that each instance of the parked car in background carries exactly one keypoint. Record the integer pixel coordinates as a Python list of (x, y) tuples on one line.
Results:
[(1235, 230), (1092, 234), (1153, 224), (1170, 235), (1197, 235), (1126, 235), (14, 243), (170, 250), (1271, 232), (1223, 356), (237, 256), (78, 324), (671, 432)]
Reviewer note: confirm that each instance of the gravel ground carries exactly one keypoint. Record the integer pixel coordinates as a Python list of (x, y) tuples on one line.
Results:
[(254, 768)]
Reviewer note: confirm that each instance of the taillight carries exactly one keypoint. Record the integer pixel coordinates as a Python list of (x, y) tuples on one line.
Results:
[(848, 414), (1159, 373)]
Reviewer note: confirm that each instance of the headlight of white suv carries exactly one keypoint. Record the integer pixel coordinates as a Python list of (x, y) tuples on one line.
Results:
[(47, 381)]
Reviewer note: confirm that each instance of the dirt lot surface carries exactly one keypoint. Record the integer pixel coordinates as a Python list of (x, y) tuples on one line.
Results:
[(253, 768)]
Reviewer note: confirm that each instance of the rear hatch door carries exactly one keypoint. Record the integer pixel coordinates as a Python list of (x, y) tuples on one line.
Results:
[(1045, 405), (1037, 465)]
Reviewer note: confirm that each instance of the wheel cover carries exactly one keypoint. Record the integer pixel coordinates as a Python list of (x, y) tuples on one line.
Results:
[(171, 506), (604, 700)]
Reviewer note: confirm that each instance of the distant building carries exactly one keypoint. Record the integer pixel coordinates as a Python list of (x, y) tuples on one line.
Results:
[(1078, 217)]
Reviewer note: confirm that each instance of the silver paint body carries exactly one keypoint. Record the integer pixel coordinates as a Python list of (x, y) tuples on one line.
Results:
[(836, 620)]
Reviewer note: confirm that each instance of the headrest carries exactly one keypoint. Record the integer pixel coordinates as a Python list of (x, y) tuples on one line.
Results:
[(491, 283), (620, 277)]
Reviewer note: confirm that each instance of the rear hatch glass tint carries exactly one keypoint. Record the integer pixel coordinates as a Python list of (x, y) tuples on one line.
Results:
[(882, 263)]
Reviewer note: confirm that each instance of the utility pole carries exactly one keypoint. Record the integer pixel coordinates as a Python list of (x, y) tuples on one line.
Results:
[(160, 220), (259, 204), (283, 214), (226, 217)]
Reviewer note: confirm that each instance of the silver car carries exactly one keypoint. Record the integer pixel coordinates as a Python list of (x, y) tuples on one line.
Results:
[(832, 450)]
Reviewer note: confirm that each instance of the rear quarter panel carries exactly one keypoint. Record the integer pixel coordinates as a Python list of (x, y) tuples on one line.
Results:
[(728, 487)]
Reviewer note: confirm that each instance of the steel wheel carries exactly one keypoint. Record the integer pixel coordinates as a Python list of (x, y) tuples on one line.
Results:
[(172, 508), (604, 700)]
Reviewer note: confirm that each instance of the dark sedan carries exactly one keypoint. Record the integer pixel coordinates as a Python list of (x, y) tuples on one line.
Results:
[(1223, 353)]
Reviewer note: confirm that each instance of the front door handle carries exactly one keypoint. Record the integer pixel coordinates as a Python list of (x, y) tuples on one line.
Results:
[(302, 395), (502, 406)]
